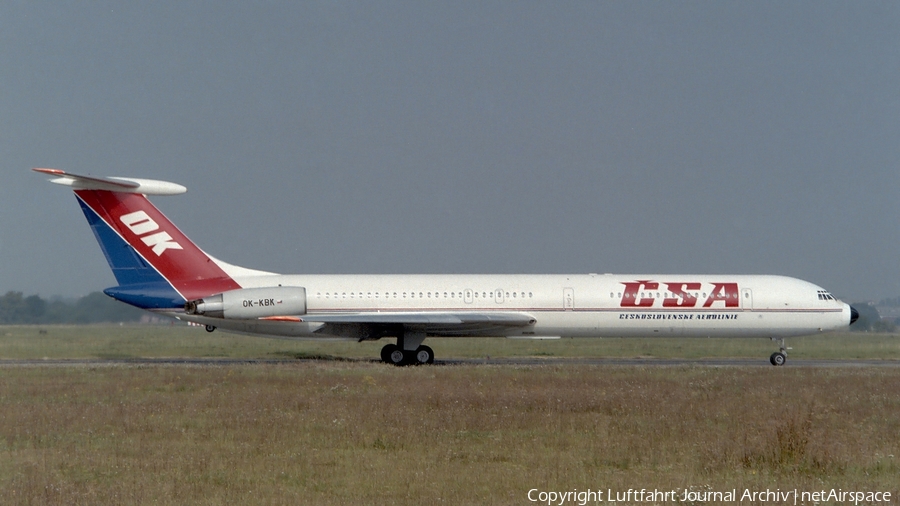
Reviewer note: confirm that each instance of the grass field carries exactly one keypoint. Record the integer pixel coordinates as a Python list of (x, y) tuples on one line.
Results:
[(361, 432)]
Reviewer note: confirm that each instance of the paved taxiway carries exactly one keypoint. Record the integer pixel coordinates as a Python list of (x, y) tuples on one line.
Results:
[(517, 361)]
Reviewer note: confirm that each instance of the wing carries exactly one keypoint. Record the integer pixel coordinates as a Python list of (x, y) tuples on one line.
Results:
[(372, 325), (444, 324), (504, 319)]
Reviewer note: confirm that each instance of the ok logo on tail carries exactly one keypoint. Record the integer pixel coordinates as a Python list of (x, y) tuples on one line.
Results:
[(140, 225)]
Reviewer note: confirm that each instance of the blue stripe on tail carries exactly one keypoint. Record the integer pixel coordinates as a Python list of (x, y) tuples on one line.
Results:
[(139, 284)]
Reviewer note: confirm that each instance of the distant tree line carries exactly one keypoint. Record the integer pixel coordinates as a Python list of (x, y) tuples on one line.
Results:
[(16, 308), (870, 320), (890, 302)]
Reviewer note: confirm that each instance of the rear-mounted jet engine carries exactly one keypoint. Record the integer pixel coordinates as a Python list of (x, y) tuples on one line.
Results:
[(250, 303)]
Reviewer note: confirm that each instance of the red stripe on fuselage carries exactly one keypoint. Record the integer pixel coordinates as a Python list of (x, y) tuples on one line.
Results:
[(159, 242)]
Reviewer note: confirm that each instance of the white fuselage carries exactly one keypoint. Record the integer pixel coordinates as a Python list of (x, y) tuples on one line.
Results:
[(584, 305)]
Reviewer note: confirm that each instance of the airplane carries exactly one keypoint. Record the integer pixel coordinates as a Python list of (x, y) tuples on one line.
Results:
[(159, 269)]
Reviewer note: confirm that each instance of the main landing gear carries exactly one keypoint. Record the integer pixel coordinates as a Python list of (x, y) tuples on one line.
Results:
[(393, 354), (409, 350), (780, 356)]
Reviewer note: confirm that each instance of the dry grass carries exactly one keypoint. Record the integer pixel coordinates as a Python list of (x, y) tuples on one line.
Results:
[(366, 433)]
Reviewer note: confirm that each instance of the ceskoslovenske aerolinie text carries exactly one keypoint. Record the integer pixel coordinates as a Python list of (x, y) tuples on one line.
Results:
[(776, 496)]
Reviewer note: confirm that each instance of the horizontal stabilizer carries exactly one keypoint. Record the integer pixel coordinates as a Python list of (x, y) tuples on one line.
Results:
[(113, 184)]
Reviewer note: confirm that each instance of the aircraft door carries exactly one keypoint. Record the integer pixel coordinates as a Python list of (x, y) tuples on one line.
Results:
[(747, 299), (468, 295), (568, 299)]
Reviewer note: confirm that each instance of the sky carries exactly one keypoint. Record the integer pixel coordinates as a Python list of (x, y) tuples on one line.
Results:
[(463, 137)]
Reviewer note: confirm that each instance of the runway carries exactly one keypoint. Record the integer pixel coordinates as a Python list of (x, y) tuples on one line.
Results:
[(513, 361), (656, 362)]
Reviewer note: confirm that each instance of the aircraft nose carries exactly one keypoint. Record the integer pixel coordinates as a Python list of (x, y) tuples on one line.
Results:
[(854, 315)]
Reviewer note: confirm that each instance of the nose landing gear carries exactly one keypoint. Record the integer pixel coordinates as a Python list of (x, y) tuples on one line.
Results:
[(780, 356)]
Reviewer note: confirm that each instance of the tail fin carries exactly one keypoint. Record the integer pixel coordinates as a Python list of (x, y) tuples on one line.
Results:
[(155, 264)]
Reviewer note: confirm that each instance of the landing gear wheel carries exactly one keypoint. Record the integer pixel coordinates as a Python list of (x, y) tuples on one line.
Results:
[(780, 356), (386, 352), (424, 355), (396, 356), (210, 328)]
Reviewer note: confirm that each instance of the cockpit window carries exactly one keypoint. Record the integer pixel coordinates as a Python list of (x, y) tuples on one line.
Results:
[(823, 295)]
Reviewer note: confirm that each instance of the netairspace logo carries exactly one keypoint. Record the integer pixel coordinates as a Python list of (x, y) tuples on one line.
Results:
[(706, 494)]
